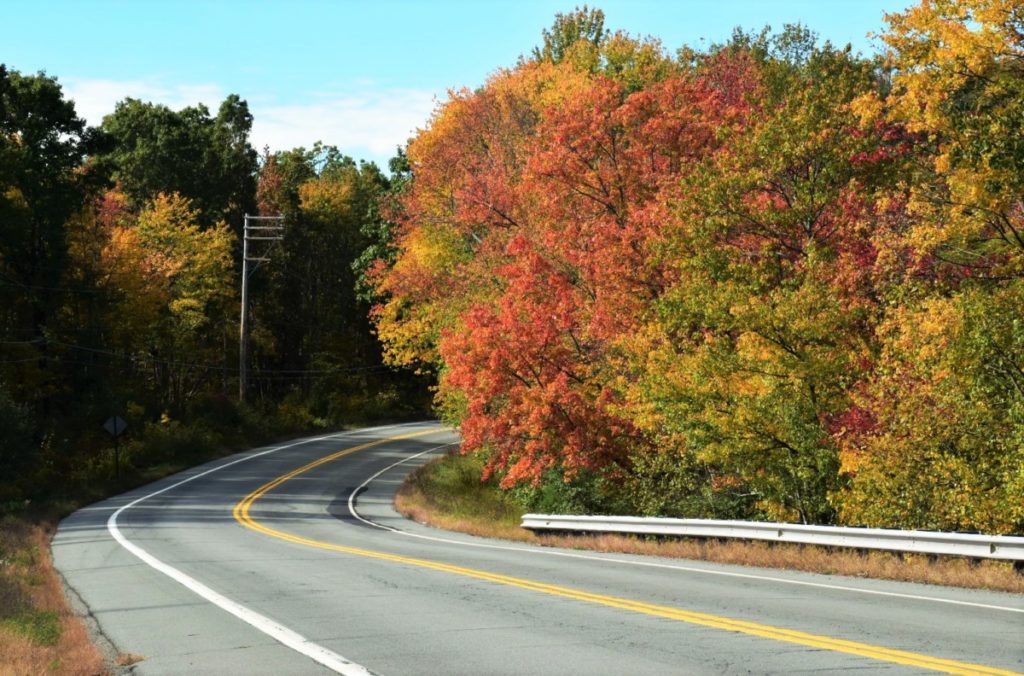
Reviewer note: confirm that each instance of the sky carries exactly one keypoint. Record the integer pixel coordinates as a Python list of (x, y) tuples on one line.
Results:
[(362, 75)]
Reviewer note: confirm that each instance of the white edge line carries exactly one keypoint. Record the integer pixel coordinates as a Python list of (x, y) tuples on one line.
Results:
[(275, 630), (647, 564)]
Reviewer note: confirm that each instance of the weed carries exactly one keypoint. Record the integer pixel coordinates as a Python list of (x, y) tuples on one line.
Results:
[(128, 659)]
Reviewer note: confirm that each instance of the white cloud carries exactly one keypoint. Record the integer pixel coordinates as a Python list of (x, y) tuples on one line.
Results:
[(364, 121), (96, 98)]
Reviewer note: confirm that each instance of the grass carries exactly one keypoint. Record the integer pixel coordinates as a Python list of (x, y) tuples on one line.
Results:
[(447, 493), (39, 633), (41, 627)]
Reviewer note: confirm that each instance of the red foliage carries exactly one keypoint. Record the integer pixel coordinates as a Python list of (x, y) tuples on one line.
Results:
[(527, 374), (592, 204)]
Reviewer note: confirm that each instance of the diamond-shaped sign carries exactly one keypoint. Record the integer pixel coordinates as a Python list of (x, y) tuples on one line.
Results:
[(115, 426)]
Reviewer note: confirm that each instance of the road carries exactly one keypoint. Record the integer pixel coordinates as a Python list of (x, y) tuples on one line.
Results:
[(266, 563)]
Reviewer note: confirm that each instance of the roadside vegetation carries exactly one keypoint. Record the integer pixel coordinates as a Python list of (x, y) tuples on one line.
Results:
[(769, 278), (38, 632), (447, 493)]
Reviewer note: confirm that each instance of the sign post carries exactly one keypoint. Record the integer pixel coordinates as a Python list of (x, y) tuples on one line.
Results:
[(115, 427)]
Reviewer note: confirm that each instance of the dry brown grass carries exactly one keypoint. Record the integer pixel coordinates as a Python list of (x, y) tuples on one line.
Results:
[(128, 659), (26, 564), (412, 503)]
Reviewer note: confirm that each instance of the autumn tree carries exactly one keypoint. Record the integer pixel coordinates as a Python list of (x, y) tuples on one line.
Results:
[(526, 250), (581, 29), (772, 316), (934, 440), (173, 293)]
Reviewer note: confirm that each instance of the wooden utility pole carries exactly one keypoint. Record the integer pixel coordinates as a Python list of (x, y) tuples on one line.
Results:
[(269, 229)]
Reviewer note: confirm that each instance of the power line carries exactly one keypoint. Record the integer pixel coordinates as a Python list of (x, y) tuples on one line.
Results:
[(34, 341), (7, 281), (260, 376), (206, 366)]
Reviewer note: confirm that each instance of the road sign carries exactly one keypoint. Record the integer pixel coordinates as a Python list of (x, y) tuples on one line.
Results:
[(115, 426)]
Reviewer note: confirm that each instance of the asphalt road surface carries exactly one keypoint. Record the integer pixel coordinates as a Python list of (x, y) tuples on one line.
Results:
[(291, 560)]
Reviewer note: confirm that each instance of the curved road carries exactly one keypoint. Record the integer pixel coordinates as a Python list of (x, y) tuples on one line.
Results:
[(290, 560)]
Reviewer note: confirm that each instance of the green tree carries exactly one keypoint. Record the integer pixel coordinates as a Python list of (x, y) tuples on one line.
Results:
[(205, 159), (378, 227), (582, 25), (42, 144)]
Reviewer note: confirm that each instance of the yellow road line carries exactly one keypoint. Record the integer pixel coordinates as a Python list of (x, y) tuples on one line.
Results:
[(242, 515)]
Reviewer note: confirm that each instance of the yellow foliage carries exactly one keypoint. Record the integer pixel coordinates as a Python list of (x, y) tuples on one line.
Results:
[(959, 74), (326, 198), (169, 278)]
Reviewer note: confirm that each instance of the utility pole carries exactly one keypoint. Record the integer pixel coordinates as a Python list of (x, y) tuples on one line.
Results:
[(267, 229)]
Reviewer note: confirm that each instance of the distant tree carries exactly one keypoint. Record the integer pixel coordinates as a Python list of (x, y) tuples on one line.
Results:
[(379, 225), (173, 294), (205, 159), (580, 25), (307, 313), (42, 145)]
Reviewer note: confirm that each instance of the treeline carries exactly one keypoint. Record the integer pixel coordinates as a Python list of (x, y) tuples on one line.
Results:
[(773, 279), (119, 289)]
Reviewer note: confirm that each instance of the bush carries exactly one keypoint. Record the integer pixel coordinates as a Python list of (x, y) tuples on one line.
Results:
[(171, 442), (451, 485), (676, 484), (586, 493)]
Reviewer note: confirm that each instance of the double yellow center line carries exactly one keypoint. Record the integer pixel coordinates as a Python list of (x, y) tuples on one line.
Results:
[(242, 515)]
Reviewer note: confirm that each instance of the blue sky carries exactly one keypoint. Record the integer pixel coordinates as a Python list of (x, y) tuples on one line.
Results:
[(357, 74)]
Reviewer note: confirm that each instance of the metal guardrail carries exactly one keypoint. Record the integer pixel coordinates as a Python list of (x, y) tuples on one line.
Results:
[(1004, 547)]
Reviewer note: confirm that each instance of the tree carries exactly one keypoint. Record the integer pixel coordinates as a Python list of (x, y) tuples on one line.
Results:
[(760, 338), (934, 438), (172, 289), (206, 159), (43, 145), (308, 314), (583, 27)]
